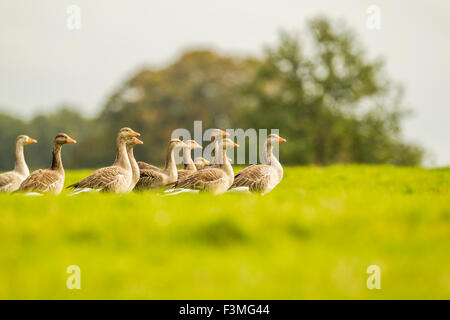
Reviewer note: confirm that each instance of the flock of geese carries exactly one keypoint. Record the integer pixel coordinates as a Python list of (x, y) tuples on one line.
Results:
[(126, 174)]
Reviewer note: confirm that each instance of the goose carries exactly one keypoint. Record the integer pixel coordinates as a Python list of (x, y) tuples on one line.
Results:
[(189, 165), (261, 178), (201, 163), (10, 181), (48, 180), (216, 136), (134, 166), (157, 178), (116, 178), (215, 180)]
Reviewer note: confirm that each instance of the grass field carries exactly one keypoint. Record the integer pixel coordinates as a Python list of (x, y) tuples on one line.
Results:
[(313, 237)]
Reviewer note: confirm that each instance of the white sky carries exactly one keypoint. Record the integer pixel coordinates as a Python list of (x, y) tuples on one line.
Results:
[(43, 64)]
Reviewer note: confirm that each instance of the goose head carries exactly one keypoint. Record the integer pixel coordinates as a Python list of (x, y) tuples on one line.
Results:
[(134, 142), (25, 140), (217, 133), (176, 143), (126, 134), (228, 143), (192, 144), (274, 138), (201, 162), (62, 138)]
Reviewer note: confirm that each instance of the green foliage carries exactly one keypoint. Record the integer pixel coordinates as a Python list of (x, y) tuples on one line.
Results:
[(312, 237), (332, 103), (43, 128)]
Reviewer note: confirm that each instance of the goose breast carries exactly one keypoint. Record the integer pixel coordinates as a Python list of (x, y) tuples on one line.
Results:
[(43, 180), (113, 179), (209, 179), (151, 179), (10, 181), (258, 178)]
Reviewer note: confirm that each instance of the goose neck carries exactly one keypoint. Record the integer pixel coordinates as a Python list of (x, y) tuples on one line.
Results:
[(56, 157), (134, 166), (224, 164), (20, 165), (122, 156), (171, 167), (270, 158), (187, 160), (216, 151)]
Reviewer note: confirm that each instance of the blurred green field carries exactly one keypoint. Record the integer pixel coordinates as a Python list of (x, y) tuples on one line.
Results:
[(313, 237)]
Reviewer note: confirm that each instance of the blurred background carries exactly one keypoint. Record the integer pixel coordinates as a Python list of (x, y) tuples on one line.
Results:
[(338, 88)]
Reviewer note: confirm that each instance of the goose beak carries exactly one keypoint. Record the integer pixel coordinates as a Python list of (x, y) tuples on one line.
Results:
[(29, 141), (197, 146), (235, 145), (280, 139), (135, 134), (137, 141), (70, 140), (224, 133)]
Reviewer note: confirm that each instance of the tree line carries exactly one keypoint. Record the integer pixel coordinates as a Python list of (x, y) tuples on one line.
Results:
[(318, 87)]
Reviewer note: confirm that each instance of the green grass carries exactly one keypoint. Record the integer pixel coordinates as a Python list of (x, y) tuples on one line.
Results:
[(313, 237)]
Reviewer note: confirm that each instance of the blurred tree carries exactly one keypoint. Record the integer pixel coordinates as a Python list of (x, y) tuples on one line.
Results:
[(10, 128), (334, 105), (43, 128), (201, 85)]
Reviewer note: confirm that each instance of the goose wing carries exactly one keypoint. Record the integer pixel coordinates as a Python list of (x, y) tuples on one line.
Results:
[(104, 179), (6, 179), (150, 179), (255, 177), (183, 174), (142, 165), (202, 179), (42, 180)]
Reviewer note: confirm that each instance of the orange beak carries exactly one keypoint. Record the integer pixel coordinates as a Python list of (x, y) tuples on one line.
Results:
[(31, 140), (135, 134), (137, 141), (70, 140), (280, 139), (235, 145), (224, 133)]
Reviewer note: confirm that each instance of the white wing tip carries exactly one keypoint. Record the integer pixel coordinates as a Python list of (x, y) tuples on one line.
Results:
[(240, 189)]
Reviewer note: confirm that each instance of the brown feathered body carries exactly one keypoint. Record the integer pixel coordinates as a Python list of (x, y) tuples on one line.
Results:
[(152, 177), (49, 180), (215, 180), (10, 181), (261, 178), (117, 178)]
